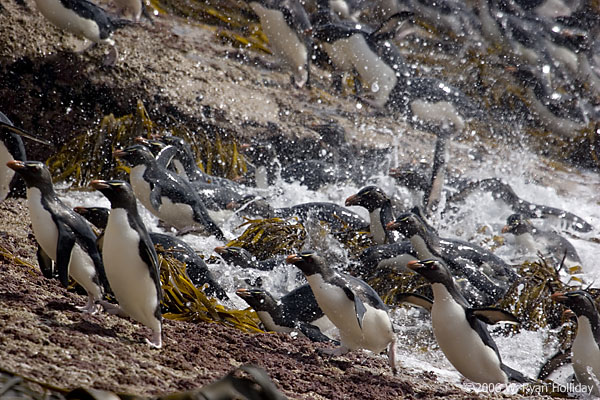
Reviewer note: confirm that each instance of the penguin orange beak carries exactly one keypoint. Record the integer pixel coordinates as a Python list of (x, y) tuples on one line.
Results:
[(352, 200), (141, 140), (220, 249), (505, 228), (413, 264), (15, 165), (119, 153), (80, 210), (99, 184), (242, 292), (293, 258), (558, 296), (568, 314), (391, 226)]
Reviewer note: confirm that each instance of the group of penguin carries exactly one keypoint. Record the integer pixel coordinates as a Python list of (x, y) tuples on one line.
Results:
[(552, 44), (166, 180), (124, 263)]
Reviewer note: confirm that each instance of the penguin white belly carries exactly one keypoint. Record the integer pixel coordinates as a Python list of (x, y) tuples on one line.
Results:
[(421, 248), (6, 174), (339, 54), (82, 269), (141, 188), (44, 227), (127, 273), (527, 244), (269, 324), (179, 215), (376, 228), (441, 112), (461, 345), (67, 19), (376, 332), (373, 71), (284, 42), (586, 356), (324, 324)]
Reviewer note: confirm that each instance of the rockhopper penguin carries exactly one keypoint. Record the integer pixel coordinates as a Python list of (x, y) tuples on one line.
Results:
[(131, 262), (460, 330), (63, 235), (585, 349), (353, 306)]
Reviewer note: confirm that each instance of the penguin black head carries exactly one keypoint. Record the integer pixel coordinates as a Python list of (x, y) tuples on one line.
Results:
[(258, 299), (434, 270), (369, 197), (517, 225), (135, 155), (408, 224), (154, 145), (34, 173), (119, 193), (579, 301), (98, 216), (236, 255), (309, 262)]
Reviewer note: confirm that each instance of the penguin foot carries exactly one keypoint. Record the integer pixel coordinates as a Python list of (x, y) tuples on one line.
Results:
[(391, 353), (156, 340), (91, 307), (110, 60), (113, 309)]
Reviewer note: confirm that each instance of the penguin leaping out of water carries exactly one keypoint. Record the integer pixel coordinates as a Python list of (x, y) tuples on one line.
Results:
[(585, 348), (84, 19), (459, 330), (131, 262), (351, 305), (287, 26), (381, 213), (63, 236)]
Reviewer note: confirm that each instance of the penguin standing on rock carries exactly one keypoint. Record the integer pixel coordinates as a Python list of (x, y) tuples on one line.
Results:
[(63, 235), (166, 194), (286, 25), (84, 19), (351, 305), (131, 261), (586, 346), (460, 330)]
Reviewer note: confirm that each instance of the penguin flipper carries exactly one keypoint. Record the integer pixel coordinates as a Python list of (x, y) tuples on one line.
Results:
[(556, 361), (46, 264), (166, 155), (64, 247), (314, 333), (414, 299), (515, 376), (493, 315), (359, 306), (155, 197)]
